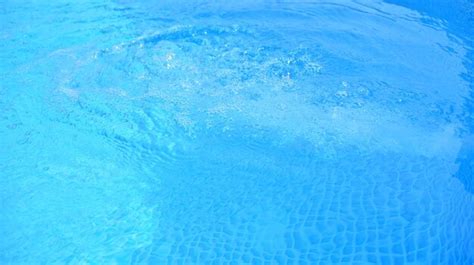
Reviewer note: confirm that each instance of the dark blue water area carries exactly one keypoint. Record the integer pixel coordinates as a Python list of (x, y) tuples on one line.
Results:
[(236, 132)]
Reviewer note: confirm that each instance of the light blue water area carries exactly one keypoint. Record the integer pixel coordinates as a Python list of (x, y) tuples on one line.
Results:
[(236, 132)]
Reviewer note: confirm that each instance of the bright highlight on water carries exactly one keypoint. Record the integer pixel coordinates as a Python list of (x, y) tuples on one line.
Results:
[(236, 132)]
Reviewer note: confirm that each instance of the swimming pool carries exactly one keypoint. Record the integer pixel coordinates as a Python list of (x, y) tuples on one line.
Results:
[(236, 132)]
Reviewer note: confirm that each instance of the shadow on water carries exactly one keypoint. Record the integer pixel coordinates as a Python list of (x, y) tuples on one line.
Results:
[(458, 16), (466, 164)]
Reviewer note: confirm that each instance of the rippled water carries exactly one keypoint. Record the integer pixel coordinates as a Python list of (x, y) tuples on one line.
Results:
[(262, 132)]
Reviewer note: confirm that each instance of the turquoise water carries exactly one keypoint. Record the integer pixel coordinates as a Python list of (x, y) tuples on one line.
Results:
[(217, 132)]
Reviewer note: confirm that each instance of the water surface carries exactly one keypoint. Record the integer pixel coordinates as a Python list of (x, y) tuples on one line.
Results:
[(263, 132)]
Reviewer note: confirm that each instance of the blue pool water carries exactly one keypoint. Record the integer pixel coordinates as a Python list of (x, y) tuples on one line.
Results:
[(236, 132)]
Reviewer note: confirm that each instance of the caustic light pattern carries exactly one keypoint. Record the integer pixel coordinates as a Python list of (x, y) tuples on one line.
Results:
[(262, 132)]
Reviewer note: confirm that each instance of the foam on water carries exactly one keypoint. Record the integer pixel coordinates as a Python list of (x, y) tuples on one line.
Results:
[(250, 132)]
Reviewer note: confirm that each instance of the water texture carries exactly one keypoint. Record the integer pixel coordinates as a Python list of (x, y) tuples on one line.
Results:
[(217, 132)]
